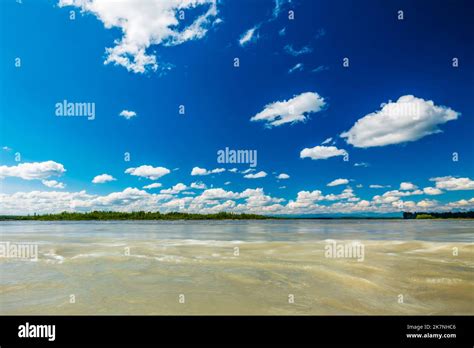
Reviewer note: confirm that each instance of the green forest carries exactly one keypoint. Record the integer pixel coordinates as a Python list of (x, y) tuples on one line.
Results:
[(139, 215), (142, 215), (444, 215)]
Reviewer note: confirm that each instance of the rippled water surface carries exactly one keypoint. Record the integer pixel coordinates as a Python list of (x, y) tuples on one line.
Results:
[(239, 267)]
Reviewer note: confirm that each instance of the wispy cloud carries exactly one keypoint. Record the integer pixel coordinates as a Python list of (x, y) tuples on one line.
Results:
[(292, 110), (326, 141), (338, 182), (320, 69), (278, 7), (295, 52), (296, 67), (249, 36), (361, 164), (376, 186), (152, 186)]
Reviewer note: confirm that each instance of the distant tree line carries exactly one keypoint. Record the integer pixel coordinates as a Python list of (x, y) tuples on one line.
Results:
[(443, 215), (138, 215), (142, 215)]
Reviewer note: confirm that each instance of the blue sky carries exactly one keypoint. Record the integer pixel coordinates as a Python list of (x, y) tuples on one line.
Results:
[(422, 137)]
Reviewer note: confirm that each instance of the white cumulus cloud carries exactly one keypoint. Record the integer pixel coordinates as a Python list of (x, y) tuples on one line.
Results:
[(53, 184), (214, 200), (451, 183), (148, 22), (432, 191), (408, 119), (198, 185), (103, 178), (32, 170), (283, 176), (202, 171), (322, 152), (175, 189), (260, 174), (128, 114), (407, 186), (150, 172)]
